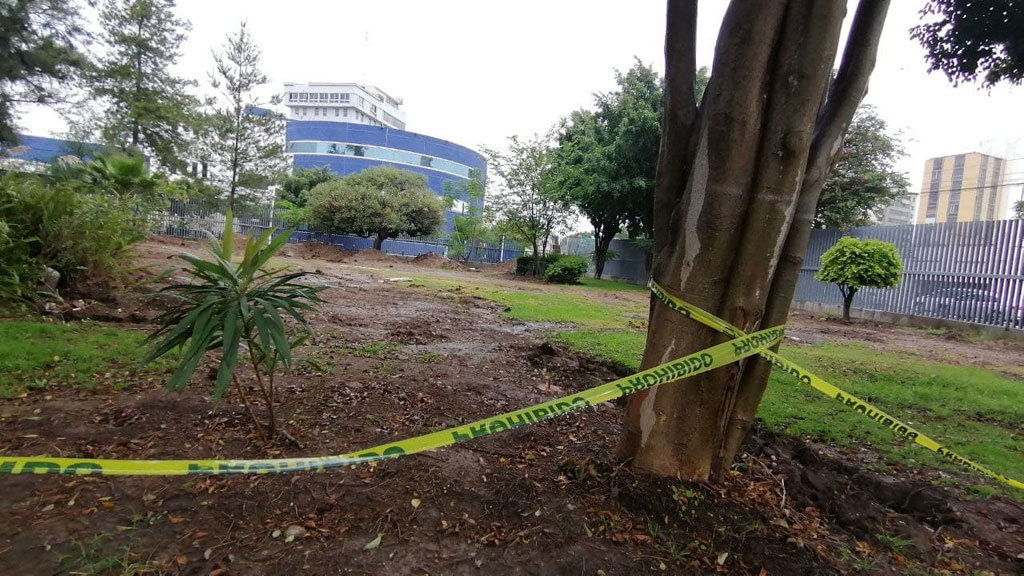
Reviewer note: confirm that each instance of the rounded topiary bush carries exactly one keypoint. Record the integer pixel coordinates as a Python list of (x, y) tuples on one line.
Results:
[(566, 270)]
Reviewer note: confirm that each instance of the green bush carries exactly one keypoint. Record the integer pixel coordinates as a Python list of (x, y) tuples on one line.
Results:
[(81, 236), (566, 270), (525, 264), (853, 264)]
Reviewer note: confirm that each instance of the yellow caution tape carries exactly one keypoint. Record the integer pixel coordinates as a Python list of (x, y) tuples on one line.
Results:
[(696, 363), (845, 398)]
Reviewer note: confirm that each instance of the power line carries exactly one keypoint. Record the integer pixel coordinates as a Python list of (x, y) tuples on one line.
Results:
[(966, 188)]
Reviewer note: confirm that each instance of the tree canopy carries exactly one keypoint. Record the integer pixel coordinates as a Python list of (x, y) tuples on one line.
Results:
[(972, 39), (145, 105), (605, 160), (865, 179), (294, 187), (39, 53), (853, 264), (381, 202)]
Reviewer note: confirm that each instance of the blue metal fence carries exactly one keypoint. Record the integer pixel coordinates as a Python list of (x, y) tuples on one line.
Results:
[(196, 219)]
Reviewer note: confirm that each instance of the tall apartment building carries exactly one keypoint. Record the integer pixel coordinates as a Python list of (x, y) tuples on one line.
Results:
[(343, 102), (962, 188), (899, 212)]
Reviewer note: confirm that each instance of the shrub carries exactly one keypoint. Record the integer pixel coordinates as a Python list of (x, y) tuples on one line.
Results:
[(82, 236), (527, 265), (229, 307), (566, 270)]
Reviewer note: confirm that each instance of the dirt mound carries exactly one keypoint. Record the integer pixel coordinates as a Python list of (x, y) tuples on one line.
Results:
[(434, 261), (316, 250), (506, 267), (885, 508)]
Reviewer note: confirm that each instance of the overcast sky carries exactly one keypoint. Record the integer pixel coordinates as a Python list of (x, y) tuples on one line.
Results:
[(475, 72)]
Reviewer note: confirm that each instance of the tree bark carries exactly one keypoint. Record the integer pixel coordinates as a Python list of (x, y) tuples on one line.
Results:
[(848, 294), (841, 101), (602, 240), (378, 241), (729, 184)]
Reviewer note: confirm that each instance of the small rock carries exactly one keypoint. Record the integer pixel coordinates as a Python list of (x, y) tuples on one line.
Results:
[(400, 279), (294, 531)]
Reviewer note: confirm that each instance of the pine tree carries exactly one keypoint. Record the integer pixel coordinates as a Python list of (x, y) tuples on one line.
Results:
[(147, 107), (246, 140), (39, 55)]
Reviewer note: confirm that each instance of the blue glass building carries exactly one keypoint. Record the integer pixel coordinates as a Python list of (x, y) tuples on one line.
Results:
[(345, 148)]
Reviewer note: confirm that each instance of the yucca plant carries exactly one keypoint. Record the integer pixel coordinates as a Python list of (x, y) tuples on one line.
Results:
[(239, 309)]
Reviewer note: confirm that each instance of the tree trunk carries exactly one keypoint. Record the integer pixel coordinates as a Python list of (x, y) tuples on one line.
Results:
[(602, 240), (730, 178), (848, 294), (378, 241)]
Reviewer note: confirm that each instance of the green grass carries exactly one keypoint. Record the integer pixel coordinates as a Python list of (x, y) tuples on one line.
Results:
[(557, 304), (36, 355), (975, 412), (611, 285)]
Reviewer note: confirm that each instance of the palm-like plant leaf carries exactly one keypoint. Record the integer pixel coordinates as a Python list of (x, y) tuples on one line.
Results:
[(227, 305)]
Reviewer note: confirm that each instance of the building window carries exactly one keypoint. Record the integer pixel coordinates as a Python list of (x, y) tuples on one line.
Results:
[(355, 150), (957, 185), (933, 189), (345, 112), (344, 96), (337, 111), (334, 97), (316, 111), (303, 97)]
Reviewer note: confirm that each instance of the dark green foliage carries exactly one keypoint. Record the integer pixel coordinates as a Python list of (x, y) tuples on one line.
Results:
[(566, 270), (968, 39), (245, 139), (530, 265), (1018, 209), (865, 180), (295, 187), (605, 160), (229, 306), (82, 236), (381, 202), (145, 107), (39, 54), (853, 264)]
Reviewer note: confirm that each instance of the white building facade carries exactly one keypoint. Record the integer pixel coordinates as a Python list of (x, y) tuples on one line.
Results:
[(343, 102)]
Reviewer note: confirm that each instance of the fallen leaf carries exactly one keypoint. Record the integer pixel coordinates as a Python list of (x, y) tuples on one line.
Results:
[(208, 553), (415, 502), (176, 519), (722, 558), (182, 559), (373, 544)]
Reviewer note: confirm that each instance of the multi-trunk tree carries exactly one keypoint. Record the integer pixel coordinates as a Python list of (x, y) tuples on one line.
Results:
[(738, 181), (145, 107)]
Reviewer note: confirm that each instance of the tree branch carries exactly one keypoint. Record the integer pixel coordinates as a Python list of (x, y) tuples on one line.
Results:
[(679, 116)]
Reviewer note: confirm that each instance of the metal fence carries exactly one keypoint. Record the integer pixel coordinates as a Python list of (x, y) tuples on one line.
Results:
[(967, 271), (194, 219)]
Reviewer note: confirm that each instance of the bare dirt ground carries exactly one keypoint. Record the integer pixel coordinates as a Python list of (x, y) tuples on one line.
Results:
[(547, 499)]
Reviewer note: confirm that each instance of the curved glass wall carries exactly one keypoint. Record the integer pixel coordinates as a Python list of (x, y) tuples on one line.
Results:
[(379, 153)]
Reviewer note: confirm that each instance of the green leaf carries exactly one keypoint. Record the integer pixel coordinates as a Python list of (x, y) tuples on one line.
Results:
[(228, 242), (373, 544)]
